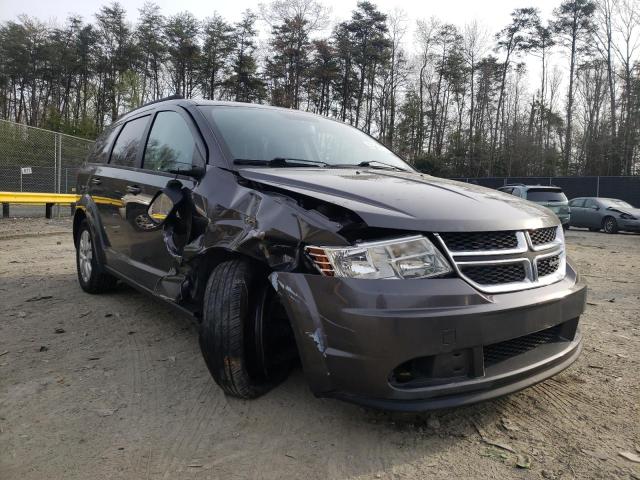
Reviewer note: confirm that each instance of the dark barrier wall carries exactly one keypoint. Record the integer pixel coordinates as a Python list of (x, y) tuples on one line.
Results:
[(624, 188)]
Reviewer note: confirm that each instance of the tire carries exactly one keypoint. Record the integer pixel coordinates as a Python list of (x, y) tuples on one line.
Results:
[(247, 347), (565, 226), (591, 229), (91, 273), (610, 225)]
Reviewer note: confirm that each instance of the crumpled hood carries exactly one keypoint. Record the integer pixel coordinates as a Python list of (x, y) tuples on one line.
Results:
[(409, 201), (629, 211)]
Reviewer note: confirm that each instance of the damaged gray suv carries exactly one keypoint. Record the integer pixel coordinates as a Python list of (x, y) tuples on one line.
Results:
[(292, 238)]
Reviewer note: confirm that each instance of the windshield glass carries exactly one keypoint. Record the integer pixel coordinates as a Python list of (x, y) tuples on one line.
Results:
[(265, 134), (544, 195), (613, 202)]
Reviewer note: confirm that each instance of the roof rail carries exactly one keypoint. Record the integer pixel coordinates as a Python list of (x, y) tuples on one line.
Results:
[(165, 99), (514, 185), (170, 97)]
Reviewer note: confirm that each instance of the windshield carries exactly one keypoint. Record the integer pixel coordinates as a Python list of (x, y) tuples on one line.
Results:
[(264, 135), (544, 195), (615, 203)]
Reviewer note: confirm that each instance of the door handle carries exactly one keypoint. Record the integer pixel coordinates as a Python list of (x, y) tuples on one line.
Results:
[(133, 189), (96, 181)]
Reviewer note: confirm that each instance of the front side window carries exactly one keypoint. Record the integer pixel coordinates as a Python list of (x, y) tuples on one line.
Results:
[(125, 151), (171, 145), (591, 204), (265, 134)]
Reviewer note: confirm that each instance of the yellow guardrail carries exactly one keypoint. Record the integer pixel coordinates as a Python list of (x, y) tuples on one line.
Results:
[(49, 200), (38, 198), (32, 198)]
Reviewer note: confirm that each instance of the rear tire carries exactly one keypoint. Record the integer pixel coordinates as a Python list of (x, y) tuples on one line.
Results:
[(247, 346), (610, 225), (91, 274)]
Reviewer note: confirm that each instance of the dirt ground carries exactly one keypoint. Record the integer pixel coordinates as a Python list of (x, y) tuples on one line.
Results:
[(114, 386)]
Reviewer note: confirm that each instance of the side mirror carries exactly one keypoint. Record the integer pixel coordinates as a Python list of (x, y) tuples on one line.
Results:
[(165, 202), (193, 172)]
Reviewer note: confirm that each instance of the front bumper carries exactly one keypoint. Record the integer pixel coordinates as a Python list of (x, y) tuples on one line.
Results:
[(356, 337), (629, 225)]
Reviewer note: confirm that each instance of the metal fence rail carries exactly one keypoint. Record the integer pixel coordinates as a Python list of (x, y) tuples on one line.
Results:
[(624, 188), (37, 160)]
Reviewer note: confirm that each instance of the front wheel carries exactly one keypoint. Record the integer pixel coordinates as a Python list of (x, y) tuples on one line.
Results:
[(610, 225), (245, 337), (91, 274)]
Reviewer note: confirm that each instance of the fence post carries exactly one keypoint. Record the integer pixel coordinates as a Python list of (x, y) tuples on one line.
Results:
[(59, 171), (598, 186)]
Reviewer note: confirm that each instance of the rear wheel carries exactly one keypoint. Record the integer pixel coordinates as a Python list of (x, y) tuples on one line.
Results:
[(245, 336), (91, 273), (610, 225)]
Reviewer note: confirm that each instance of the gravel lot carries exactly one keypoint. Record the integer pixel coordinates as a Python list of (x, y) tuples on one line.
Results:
[(114, 386)]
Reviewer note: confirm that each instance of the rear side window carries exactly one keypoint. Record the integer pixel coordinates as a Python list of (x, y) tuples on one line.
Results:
[(100, 151), (507, 190), (543, 195), (171, 145), (125, 150), (578, 202)]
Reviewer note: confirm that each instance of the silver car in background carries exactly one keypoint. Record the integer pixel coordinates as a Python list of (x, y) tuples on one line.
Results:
[(548, 196), (608, 214)]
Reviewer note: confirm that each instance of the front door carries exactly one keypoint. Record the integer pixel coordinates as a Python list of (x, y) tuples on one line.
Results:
[(173, 143), (591, 213)]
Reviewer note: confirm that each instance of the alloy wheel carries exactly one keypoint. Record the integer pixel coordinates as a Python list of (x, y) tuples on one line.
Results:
[(85, 255)]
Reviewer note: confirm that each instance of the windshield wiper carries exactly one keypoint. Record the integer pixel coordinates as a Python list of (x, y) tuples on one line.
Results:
[(372, 164), (280, 162)]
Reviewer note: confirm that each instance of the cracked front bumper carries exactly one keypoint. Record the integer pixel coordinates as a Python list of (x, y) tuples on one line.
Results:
[(354, 335)]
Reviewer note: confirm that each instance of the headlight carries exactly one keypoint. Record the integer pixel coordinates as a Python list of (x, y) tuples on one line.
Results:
[(409, 257), (627, 216)]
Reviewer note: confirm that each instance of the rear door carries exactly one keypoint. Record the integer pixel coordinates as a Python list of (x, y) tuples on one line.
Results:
[(110, 187), (577, 212), (173, 143)]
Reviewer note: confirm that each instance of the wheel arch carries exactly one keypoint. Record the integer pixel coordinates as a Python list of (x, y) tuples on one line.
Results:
[(209, 259), (78, 216)]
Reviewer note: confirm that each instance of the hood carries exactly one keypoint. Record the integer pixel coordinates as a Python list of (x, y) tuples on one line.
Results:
[(408, 200), (629, 211)]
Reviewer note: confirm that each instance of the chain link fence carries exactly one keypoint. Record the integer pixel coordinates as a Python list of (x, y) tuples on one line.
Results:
[(37, 160)]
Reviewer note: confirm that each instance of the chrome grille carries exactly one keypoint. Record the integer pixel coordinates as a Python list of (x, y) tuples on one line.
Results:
[(496, 262), (474, 241), (543, 235), (548, 265), (495, 274)]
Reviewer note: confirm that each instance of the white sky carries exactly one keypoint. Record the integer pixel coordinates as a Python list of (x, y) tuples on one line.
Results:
[(492, 15)]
